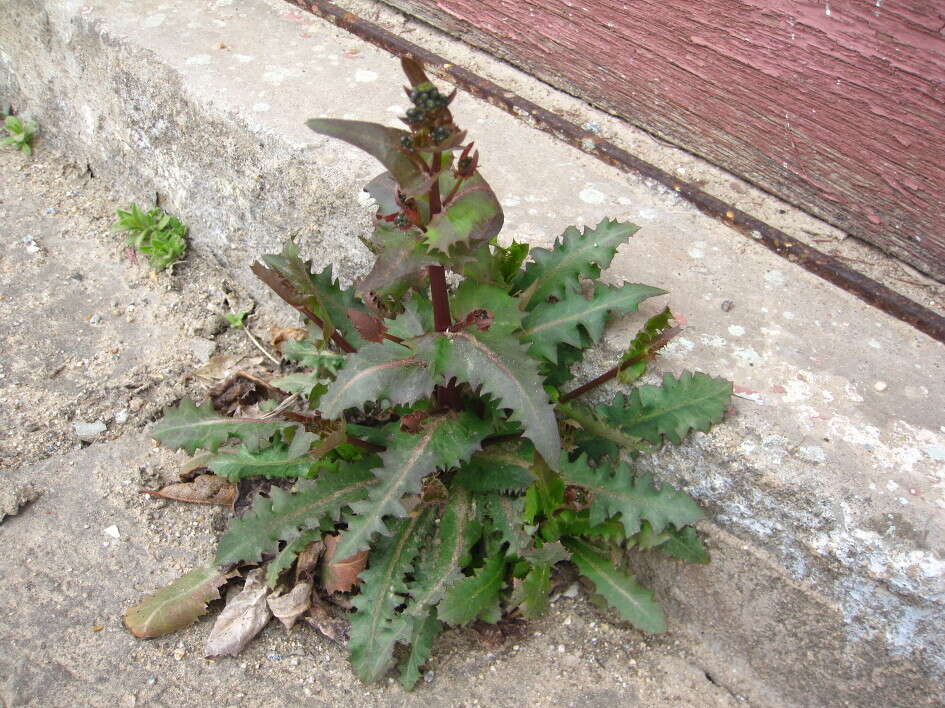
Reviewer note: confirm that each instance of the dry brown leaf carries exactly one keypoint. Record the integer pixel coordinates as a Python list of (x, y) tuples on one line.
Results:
[(327, 625), (289, 607), (205, 489), (197, 462), (341, 576), (308, 559), (242, 618), (220, 366), (240, 389), (278, 335)]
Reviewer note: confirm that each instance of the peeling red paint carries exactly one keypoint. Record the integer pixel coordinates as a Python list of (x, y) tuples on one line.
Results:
[(842, 113)]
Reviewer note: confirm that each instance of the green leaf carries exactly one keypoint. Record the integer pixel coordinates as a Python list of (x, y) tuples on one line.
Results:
[(416, 318), (398, 266), (285, 514), (445, 441), (546, 495), (568, 522), (383, 189), (190, 427), (275, 461), (442, 566), (471, 296), (503, 370), (177, 605), (554, 323), (506, 467), (379, 141), (633, 602), (575, 255), (530, 594), (685, 545), (305, 353), (471, 596), (643, 347), (473, 216), (507, 515), (615, 490), (302, 383), (376, 626), (595, 426), (286, 557), (424, 633), (378, 372), (694, 401)]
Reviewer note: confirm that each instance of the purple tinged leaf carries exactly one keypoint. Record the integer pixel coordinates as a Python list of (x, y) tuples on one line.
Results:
[(377, 140)]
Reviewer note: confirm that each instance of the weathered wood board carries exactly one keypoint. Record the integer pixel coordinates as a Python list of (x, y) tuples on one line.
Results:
[(837, 106)]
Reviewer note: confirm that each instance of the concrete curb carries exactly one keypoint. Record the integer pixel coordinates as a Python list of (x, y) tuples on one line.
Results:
[(826, 490)]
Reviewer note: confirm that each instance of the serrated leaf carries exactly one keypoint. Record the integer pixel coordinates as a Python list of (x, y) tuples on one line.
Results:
[(444, 442), (633, 602), (307, 354), (376, 626), (548, 554), (506, 467), (302, 383), (285, 514), (399, 263), (595, 426), (531, 592), (286, 557), (379, 141), (569, 522), (503, 370), (685, 545), (694, 401), (471, 596), (177, 605), (275, 461), (579, 321), (416, 318), (616, 490), (189, 427), (644, 346), (546, 495), (575, 255), (471, 296), (378, 372), (473, 216), (424, 632), (457, 531), (507, 517)]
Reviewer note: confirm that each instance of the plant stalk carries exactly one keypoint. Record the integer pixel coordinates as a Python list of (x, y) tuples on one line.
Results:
[(661, 342)]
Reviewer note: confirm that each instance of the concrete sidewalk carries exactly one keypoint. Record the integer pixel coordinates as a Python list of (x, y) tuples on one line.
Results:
[(826, 492)]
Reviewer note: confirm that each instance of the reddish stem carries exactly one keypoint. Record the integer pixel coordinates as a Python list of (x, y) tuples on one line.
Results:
[(661, 342), (441, 303), (435, 204)]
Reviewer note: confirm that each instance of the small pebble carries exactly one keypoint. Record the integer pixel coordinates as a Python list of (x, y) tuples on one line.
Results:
[(87, 432), (112, 531), (880, 385), (95, 319), (429, 676), (179, 654), (592, 127), (727, 306)]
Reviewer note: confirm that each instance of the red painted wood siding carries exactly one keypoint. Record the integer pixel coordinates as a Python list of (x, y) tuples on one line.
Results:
[(838, 106)]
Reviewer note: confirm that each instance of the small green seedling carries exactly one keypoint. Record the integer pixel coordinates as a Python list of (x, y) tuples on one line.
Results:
[(20, 134), (236, 319), (155, 233)]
